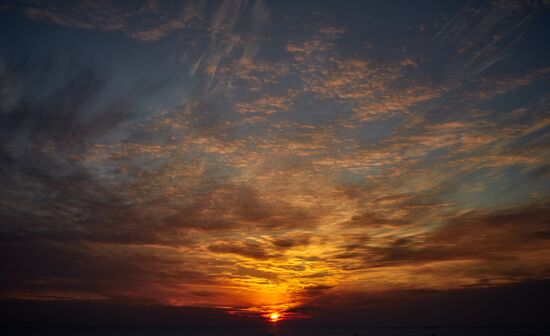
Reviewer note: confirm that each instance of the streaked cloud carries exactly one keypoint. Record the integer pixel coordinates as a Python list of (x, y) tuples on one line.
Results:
[(244, 156)]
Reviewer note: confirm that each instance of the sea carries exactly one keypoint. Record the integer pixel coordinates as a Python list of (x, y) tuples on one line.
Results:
[(277, 331)]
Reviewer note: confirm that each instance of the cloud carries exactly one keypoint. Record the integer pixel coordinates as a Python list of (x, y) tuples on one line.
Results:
[(40, 268), (97, 15), (249, 250), (180, 19), (473, 34), (300, 164), (509, 305), (475, 239)]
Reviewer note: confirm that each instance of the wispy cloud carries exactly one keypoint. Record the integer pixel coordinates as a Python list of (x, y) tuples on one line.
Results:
[(302, 159)]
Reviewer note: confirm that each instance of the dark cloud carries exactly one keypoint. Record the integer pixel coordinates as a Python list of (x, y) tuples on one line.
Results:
[(43, 269), (316, 290), (519, 305), (490, 237), (414, 208), (115, 313), (516, 305), (63, 111), (290, 241), (246, 249)]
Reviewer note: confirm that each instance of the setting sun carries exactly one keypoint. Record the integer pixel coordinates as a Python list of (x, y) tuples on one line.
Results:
[(274, 317)]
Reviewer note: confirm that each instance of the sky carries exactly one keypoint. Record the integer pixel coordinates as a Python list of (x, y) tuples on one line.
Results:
[(247, 157)]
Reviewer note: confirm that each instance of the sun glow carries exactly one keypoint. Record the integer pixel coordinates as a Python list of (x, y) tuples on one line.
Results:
[(274, 317)]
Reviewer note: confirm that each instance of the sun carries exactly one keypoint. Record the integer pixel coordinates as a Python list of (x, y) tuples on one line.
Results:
[(274, 317)]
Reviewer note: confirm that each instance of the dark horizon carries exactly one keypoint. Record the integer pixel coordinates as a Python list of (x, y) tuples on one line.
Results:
[(511, 306), (274, 163)]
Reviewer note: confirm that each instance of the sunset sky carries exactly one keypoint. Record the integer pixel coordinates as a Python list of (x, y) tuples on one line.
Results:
[(259, 157)]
